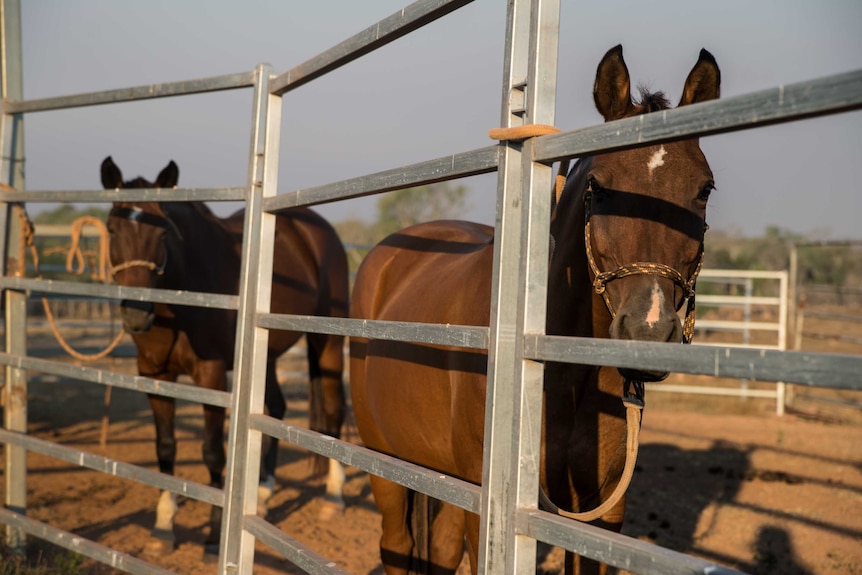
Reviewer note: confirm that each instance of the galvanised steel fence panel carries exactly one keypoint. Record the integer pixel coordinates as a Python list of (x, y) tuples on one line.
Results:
[(514, 340)]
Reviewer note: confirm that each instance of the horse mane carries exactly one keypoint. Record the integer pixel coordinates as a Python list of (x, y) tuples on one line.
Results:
[(651, 101)]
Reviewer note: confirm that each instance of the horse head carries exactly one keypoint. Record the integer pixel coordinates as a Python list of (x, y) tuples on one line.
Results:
[(139, 232), (645, 214)]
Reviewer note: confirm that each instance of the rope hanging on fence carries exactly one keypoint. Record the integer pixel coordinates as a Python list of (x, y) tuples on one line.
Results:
[(28, 241)]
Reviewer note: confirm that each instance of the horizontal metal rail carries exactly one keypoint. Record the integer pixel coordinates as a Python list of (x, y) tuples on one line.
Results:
[(833, 316), (303, 557), (814, 369), (712, 390), (722, 324), (235, 194), (121, 380), (380, 34), (472, 163), (450, 489), (741, 345), (149, 92), (613, 548), (737, 300), (179, 297), (839, 93), (438, 334), (717, 273), (80, 545), (116, 468)]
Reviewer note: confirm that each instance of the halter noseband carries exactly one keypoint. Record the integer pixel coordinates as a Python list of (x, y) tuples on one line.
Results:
[(646, 268), (140, 216)]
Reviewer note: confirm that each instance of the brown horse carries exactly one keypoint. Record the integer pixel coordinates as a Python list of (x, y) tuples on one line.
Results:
[(628, 233), (184, 246)]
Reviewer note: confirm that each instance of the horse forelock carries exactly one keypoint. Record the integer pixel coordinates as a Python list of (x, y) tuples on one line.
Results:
[(651, 101), (139, 182)]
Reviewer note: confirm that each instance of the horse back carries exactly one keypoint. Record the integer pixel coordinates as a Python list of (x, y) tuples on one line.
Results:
[(412, 400)]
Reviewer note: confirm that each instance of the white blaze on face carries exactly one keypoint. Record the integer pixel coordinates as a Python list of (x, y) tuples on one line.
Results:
[(654, 313), (656, 160)]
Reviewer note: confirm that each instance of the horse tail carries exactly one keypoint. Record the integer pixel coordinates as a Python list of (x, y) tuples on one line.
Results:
[(422, 510), (317, 406)]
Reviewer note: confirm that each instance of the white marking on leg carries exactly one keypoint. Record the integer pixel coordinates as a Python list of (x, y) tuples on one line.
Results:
[(654, 313), (165, 511), (335, 481), (265, 489), (656, 160), (333, 504)]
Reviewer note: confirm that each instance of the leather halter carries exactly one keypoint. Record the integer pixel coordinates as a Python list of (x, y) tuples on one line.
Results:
[(140, 216), (646, 268)]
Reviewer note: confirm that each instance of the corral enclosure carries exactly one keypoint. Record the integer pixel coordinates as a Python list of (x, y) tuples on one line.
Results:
[(737, 465), (723, 478)]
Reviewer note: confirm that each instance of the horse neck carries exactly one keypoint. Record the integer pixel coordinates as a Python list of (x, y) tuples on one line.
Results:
[(574, 308), (205, 254)]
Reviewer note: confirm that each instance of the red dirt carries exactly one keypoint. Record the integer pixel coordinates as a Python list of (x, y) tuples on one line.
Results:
[(720, 478)]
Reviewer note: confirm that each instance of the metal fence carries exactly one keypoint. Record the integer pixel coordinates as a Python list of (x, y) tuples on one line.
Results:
[(515, 339), (772, 308)]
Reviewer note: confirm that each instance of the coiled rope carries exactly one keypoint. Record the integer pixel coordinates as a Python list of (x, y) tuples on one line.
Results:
[(75, 254)]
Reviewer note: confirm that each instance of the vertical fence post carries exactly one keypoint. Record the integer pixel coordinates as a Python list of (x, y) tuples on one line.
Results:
[(244, 445), (14, 302), (514, 403)]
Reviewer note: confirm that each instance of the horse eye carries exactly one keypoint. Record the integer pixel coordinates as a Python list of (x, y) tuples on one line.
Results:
[(707, 189), (593, 184)]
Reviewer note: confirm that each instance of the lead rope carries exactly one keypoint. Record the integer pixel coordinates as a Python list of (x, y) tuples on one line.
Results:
[(634, 410), (28, 241)]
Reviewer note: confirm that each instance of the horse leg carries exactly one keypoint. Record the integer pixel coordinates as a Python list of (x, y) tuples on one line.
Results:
[(447, 540), (212, 375), (162, 536), (274, 406), (326, 411), (472, 521), (396, 543)]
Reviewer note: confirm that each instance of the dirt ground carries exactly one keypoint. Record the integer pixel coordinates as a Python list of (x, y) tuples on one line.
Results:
[(720, 478)]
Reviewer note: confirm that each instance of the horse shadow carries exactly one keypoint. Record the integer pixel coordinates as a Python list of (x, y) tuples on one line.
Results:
[(674, 500)]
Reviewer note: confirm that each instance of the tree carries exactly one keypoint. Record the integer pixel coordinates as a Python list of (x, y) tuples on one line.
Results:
[(397, 210), (68, 213)]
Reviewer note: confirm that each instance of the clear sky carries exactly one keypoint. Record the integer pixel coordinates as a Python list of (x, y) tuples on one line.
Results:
[(433, 93)]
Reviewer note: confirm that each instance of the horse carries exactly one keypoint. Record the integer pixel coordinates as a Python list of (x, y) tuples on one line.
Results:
[(627, 244), (184, 246)]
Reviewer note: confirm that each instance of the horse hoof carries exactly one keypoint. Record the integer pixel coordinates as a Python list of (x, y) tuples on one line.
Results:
[(264, 493), (161, 543), (210, 553), (330, 509)]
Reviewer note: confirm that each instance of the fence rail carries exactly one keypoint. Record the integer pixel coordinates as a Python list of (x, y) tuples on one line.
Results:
[(528, 96)]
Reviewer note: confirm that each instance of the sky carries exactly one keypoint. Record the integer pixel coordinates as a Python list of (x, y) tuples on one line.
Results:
[(431, 94)]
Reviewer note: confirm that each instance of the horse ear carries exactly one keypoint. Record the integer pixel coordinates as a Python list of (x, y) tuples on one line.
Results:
[(612, 89), (703, 82), (168, 177), (112, 177)]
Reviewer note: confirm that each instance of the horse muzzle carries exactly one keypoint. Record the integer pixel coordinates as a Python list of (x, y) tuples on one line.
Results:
[(137, 316), (649, 319)]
